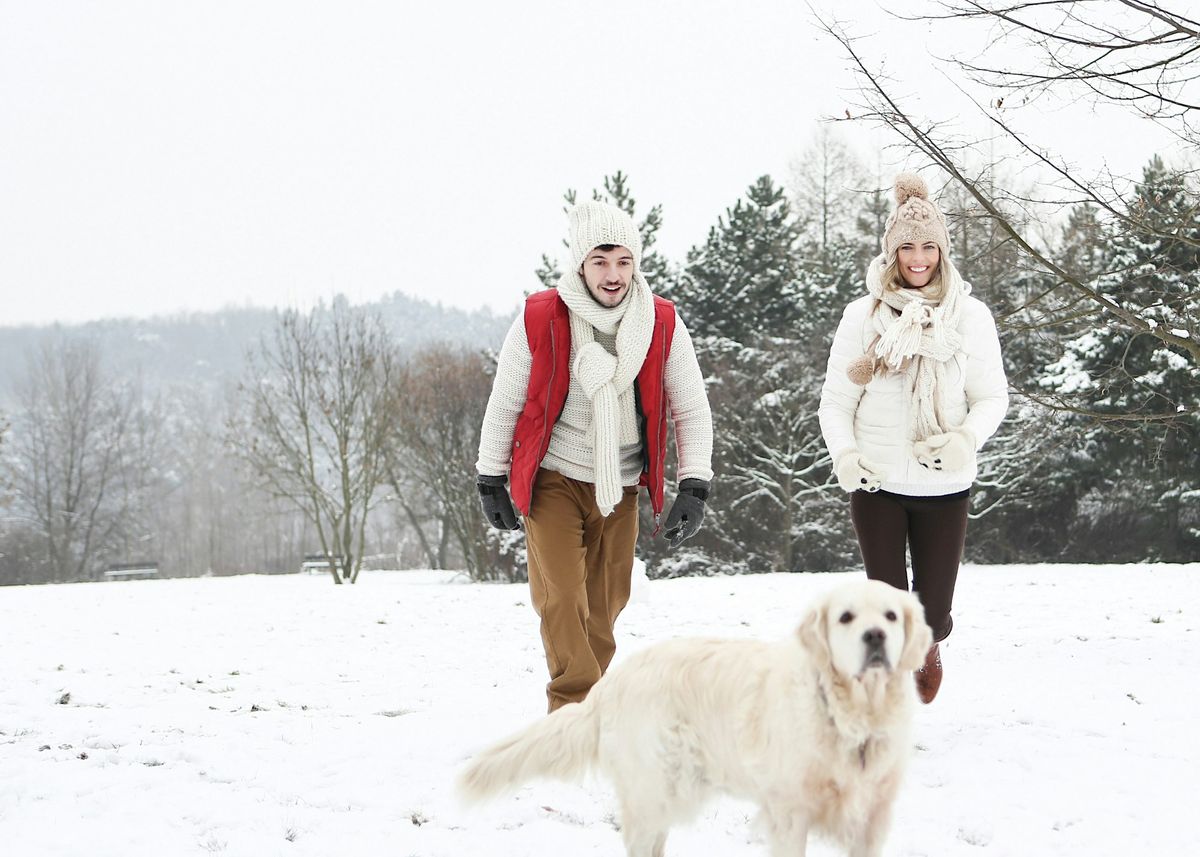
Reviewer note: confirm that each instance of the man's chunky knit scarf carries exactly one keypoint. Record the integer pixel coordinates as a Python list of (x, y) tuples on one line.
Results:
[(605, 379)]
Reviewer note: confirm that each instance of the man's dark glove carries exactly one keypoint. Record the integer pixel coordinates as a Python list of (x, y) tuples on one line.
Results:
[(497, 505), (683, 521)]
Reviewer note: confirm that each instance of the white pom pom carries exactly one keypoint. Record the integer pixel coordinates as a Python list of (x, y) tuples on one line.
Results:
[(909, 185)]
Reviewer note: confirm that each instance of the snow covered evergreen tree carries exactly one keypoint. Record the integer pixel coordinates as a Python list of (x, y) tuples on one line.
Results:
[(1136, 394), (740, 283), (1029, 486), (617, 192), (762, 305)]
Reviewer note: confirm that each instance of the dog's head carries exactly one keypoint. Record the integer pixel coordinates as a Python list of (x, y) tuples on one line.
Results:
[(866, 625)]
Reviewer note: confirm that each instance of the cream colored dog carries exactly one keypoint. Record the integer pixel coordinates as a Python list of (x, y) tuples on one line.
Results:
[(815, 729)]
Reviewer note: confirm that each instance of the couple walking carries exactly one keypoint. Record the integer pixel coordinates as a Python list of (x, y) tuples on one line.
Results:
[(590, 373)]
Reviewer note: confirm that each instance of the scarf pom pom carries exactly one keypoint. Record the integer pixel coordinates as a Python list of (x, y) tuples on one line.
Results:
[(861, 370)]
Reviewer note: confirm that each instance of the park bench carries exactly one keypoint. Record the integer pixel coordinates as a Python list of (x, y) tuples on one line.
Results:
[(131, 571), (314, 563)]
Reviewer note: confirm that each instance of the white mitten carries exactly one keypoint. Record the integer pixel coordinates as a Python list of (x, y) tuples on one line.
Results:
[(954, 450), (856, 473)]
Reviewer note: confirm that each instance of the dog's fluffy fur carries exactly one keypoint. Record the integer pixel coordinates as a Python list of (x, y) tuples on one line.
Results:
[(815, 729)]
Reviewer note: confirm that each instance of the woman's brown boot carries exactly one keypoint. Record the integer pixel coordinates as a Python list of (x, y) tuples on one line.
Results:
[(929, 677)]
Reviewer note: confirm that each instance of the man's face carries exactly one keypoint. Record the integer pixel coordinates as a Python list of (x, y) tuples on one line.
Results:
[(608, 274)]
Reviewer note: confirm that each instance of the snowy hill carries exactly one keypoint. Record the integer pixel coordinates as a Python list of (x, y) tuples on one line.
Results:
[(286, 716), (208, 349)]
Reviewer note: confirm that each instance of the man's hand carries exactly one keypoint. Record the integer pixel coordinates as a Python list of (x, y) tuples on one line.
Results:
[(683, 521), (497, 505), (857, 473), (953, 450)]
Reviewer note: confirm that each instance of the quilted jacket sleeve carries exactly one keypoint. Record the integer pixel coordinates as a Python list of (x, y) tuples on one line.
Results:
[(840, 395), (985, 384)]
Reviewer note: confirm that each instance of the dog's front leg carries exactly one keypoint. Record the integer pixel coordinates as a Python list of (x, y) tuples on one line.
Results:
[(642, 829), (863, 848), (869, 841), (787, 830)]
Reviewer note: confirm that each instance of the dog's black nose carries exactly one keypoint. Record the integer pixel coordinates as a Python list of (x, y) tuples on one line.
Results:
[(874, 637)]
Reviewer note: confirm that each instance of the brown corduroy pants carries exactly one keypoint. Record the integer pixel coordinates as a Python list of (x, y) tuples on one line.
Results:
[(580, 565)]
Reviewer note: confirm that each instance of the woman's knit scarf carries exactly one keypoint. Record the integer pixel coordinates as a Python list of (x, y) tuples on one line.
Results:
[(605, 379), (916, 336)]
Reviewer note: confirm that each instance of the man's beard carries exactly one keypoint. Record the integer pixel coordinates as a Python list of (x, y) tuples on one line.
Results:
[(592, 295)]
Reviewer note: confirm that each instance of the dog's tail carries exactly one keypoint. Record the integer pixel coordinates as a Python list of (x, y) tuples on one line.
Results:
[(562, 745)]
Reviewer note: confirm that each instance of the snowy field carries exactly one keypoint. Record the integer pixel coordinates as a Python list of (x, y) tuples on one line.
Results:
[(286, 716)]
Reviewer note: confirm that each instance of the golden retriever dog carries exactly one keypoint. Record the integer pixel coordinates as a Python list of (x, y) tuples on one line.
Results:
[(815, 729)]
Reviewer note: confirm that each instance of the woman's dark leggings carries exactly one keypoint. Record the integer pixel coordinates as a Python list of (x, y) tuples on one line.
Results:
[(935, 529)]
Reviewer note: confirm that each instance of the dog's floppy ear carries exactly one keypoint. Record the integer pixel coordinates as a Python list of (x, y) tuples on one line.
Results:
[(814, 635), (917, 636)]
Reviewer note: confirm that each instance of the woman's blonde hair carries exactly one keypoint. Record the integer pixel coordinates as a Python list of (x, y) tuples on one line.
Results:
[(934, 290)]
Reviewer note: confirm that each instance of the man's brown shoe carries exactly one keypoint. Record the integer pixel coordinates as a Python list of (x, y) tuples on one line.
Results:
[(929, 677)]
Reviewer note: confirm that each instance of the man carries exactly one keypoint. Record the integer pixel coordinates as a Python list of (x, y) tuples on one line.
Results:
[(577, 420)]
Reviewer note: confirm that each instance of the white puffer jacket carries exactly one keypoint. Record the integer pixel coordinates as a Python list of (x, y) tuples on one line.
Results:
[(874, 419)]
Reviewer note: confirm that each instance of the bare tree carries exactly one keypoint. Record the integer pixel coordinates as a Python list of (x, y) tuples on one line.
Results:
[(211, 517), (438, 413), (1104, 316), (826, 183), (4, 476), (316, 423), (1132, 53), (70, 448), (1086, 42)]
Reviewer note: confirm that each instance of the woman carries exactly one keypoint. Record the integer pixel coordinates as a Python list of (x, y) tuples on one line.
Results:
[(914, 387)]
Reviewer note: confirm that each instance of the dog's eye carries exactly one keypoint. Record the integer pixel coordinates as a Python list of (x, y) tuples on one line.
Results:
[(890, 615), (846, 618)]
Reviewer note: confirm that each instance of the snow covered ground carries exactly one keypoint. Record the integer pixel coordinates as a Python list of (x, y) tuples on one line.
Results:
[(286, 716)]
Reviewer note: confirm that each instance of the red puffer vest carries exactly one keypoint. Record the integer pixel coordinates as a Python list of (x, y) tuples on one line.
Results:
[(548, 329)]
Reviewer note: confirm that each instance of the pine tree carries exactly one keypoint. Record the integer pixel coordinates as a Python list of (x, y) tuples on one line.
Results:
[(876, 205), (1154, 272), (762, 305), (1084, 253), (1137, 398), (741, 283), (616, 192)]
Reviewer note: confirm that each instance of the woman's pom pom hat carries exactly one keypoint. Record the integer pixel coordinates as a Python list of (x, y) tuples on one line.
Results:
[(916, 218)]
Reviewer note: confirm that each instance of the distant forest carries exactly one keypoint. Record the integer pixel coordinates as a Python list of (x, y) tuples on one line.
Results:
[(248, 440), (121, 444)]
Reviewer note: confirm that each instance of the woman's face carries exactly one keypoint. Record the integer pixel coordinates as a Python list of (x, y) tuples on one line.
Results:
[(918, 263)]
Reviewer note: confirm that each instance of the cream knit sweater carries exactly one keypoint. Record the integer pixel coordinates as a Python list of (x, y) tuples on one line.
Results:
[(570, 451)]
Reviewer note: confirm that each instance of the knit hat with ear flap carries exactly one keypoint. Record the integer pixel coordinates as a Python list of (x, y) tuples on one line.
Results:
[(595, 223), (915, 220)]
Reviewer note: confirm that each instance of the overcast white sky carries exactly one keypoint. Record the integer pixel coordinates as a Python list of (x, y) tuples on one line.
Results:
[(160, 155)]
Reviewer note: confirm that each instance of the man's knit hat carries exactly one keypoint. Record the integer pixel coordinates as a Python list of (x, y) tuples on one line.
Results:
[(916, 219), (595, 223)]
